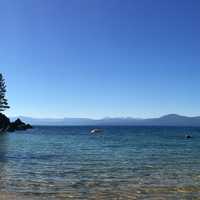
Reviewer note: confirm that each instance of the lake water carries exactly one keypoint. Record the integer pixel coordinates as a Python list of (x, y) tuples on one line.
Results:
[(120, 163)]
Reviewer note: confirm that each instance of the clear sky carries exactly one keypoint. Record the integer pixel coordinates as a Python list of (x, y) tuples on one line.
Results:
[(97, 58)]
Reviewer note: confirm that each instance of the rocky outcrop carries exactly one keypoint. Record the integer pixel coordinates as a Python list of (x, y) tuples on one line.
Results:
[(6, 125), (18, 125)]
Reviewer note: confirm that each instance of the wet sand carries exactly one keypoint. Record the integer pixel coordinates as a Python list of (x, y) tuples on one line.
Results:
[(150, 193), (7, 196)]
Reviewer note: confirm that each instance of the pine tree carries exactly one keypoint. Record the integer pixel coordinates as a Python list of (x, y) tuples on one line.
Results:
[(3, 101)]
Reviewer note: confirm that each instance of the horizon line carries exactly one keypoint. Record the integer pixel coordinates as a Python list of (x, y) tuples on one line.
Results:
[(107, 117)]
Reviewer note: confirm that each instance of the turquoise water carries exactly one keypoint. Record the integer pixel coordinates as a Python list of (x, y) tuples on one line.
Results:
[(120, 163)]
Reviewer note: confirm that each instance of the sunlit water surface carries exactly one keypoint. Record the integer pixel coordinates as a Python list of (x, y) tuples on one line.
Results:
[(121, 163)]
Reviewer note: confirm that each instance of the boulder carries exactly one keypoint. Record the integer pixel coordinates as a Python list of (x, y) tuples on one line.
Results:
[(28, 126), (18, 125), (18, 122)]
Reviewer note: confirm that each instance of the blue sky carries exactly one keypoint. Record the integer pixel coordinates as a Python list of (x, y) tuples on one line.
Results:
[(97, 58)]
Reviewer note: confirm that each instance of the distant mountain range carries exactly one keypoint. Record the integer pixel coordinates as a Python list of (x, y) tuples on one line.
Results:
[(166, 120)]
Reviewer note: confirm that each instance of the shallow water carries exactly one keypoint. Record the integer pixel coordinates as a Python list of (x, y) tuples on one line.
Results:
[(120, 163)]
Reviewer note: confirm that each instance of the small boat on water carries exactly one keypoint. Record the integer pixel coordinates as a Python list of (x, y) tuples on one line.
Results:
[(96, 130), (188, 136)]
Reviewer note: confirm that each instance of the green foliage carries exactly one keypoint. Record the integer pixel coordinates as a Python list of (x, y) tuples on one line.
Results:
[(3, 101)]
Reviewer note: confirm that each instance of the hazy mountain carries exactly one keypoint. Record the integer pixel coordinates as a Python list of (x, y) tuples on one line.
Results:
[(55, 122), (167, 120)]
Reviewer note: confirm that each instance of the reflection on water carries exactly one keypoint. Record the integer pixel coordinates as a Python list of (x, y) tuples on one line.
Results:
[(3, 161), (123, 163)]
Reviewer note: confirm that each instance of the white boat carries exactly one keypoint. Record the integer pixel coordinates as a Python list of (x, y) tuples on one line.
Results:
[(96, 130)]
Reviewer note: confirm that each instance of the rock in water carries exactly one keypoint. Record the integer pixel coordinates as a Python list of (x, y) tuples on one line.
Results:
[(18, 125), (6, 125)]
